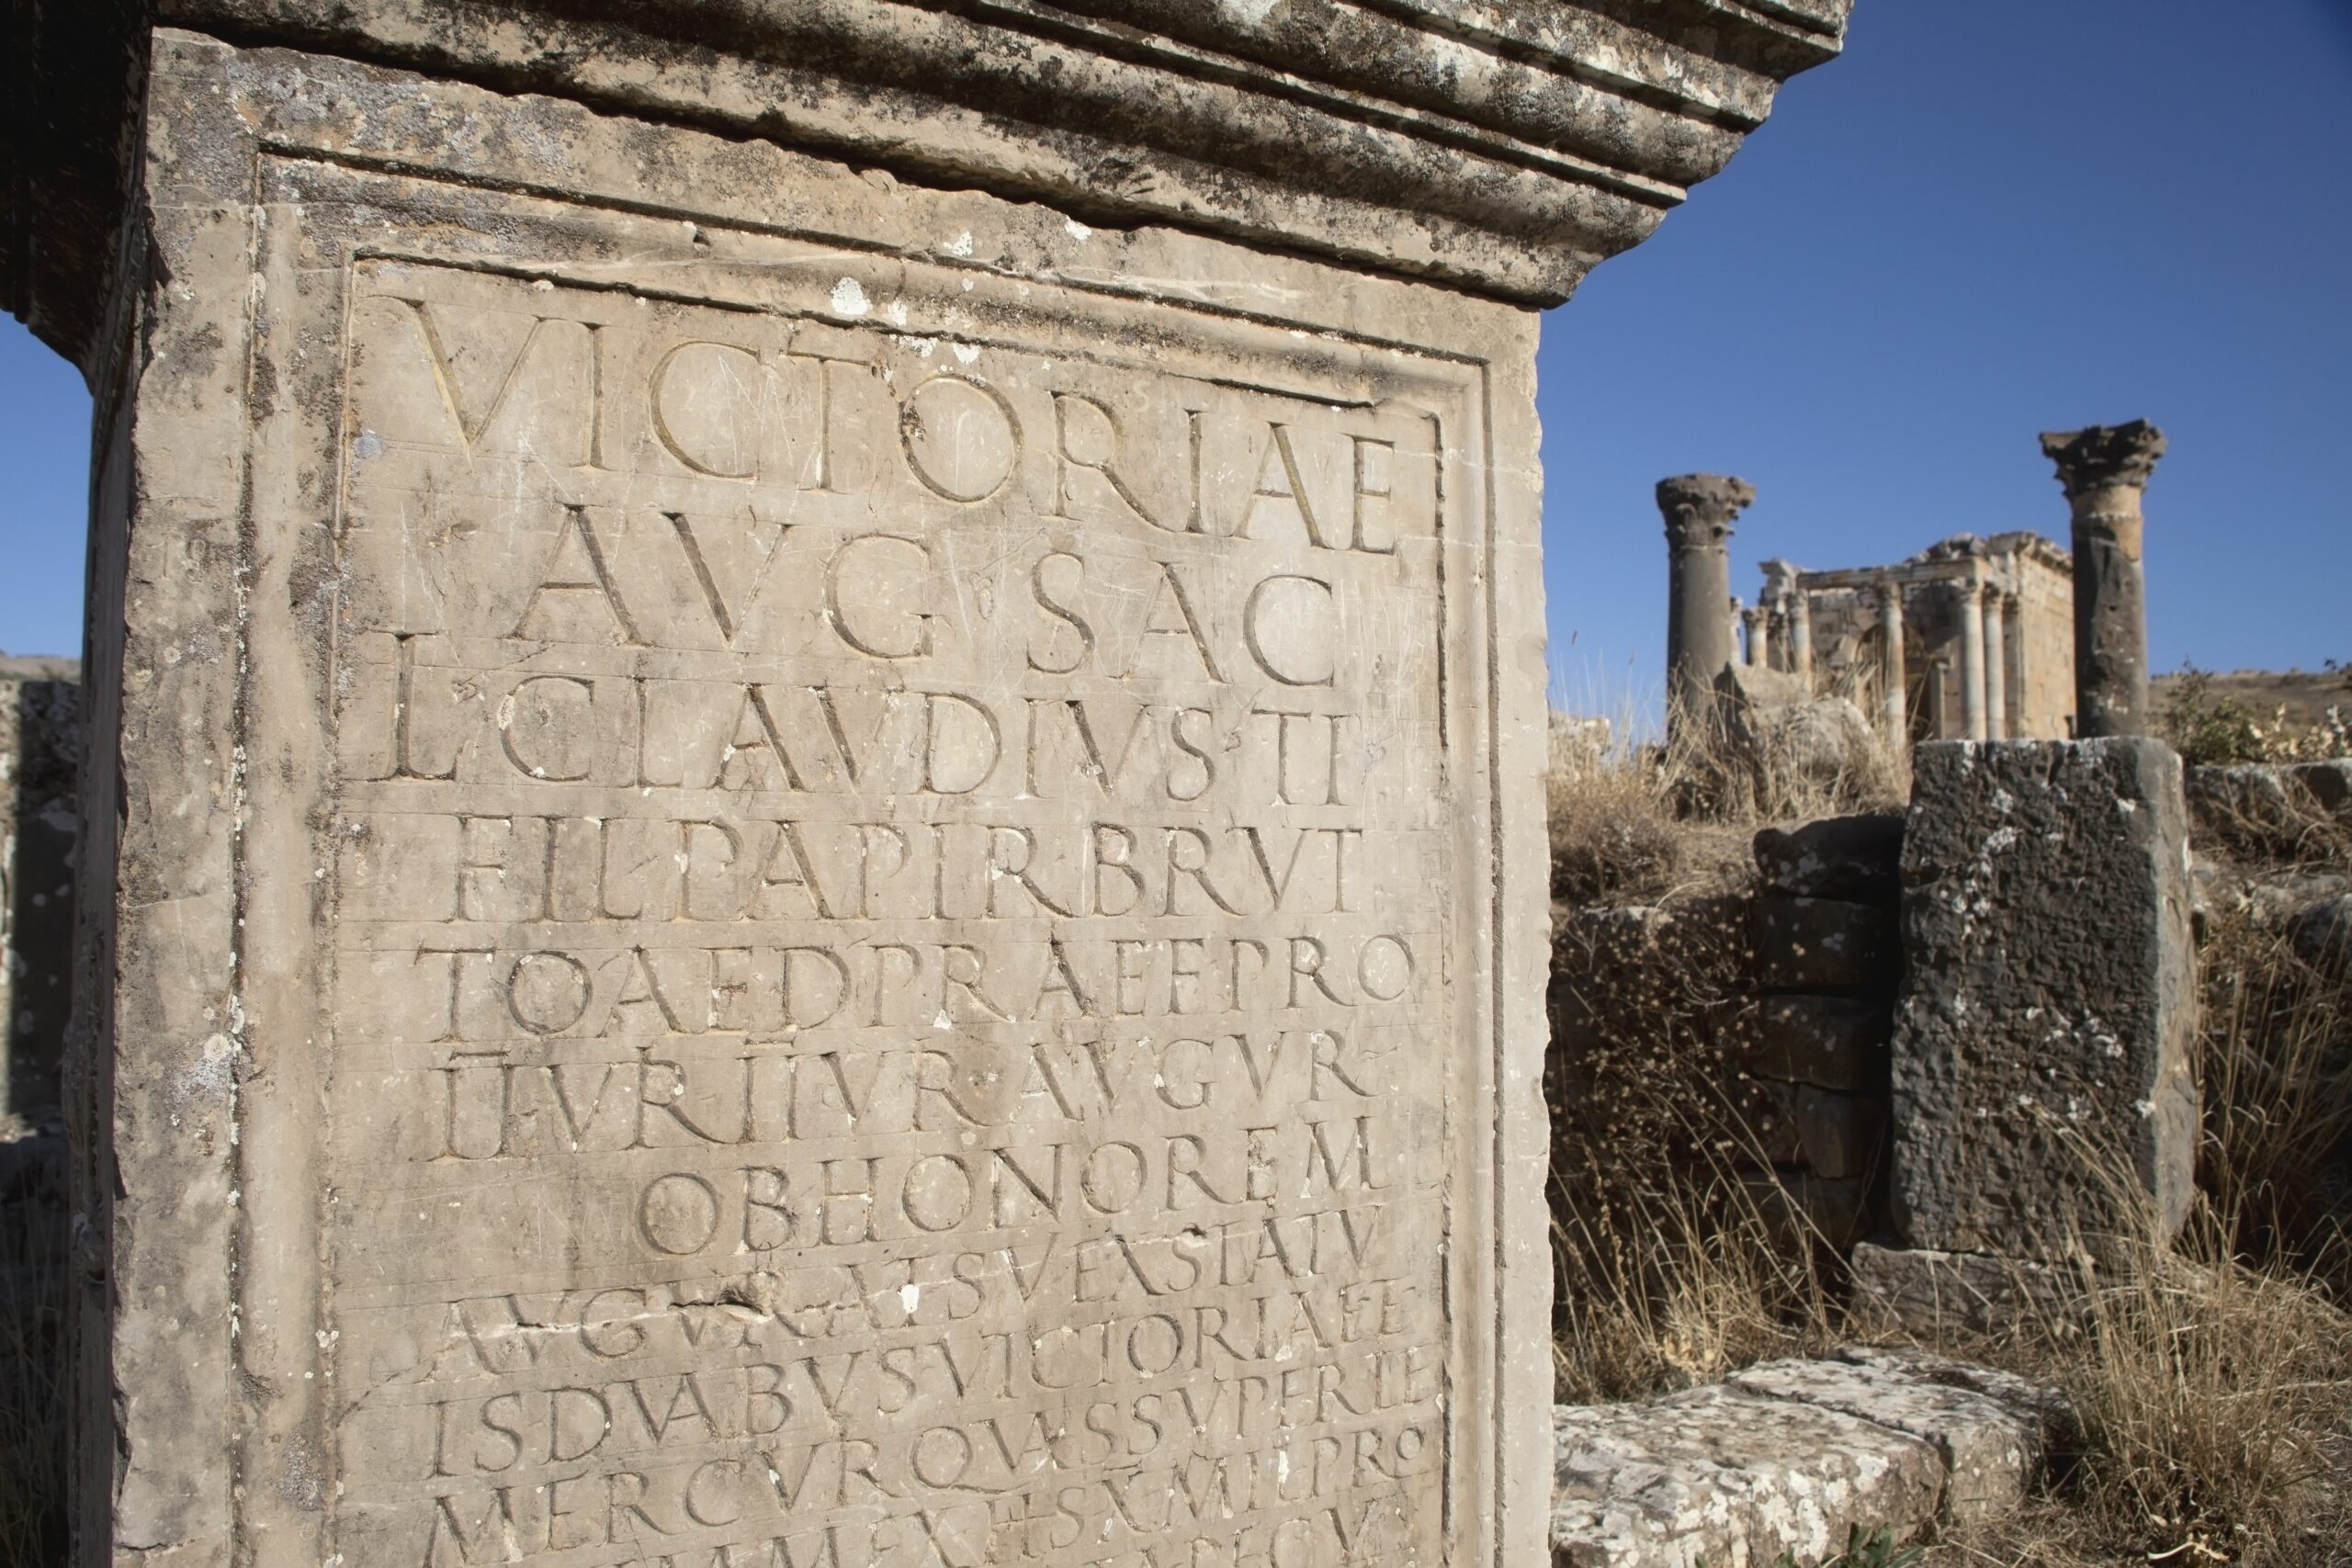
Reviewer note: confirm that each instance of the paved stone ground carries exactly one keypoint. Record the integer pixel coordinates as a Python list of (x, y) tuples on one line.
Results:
[(1791, 1457)]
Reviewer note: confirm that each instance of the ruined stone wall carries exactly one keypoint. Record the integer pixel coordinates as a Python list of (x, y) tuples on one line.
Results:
[(41, 744), (1741, 1035)]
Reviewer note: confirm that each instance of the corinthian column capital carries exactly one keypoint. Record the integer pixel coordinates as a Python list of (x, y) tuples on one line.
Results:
[(2103, 457), (1701, 508)]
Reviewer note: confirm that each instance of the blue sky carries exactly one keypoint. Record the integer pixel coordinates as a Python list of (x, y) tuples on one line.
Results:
[(1990, 219)]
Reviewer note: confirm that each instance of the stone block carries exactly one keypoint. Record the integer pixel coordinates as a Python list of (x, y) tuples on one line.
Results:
[(1799, 1208), (1722, 1475), (2040, 1066), (1992, 1446), (1833, 1043), (1857, 857), (1928, 1293), (1833, 1136), (1840, 1135), (1821, 944)]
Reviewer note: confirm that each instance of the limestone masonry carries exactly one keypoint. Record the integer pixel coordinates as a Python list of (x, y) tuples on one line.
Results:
[(814, 835)]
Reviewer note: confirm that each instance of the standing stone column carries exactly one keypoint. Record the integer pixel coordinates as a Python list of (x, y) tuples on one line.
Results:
[(1801, 636), (2013, 658), (1970, 598), (1759, 637), (1996, 664), (2105, 470), (682, 697), (1699, 509), (1894, 679)]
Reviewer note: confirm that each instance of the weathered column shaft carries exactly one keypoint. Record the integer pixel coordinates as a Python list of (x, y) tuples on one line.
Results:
[(1699, 509), (2105, 470), (1760, 637), (1997, 668), (1801, 637), (1894, 696), (1972, 662)]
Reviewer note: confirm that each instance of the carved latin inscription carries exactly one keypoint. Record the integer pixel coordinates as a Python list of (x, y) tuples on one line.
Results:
[(891, 956)]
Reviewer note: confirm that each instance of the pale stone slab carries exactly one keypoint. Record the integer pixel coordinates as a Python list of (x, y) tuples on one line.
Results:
[(1729, 1479), (1992, 1449), (1793, 1456), (2043, 1086)]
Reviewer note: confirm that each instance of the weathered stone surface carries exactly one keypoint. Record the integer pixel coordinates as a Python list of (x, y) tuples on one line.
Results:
[(2103, 470), (1786, 736), (1993, 1448), (1929, 1292), (1791, 1457), (1723, 1476), (750, 861), (1821, 944), (41, 745), (1840, 1135), (1857, 858), (1833, 1043), (1700, 510), (1506, 147), (2041, 1060), (1799, 1208)]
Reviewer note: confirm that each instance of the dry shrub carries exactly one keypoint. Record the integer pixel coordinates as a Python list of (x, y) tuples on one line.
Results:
[(33, 1420), (2275, 1048), (1672, 1288), (2212, 1373), (2210, 727), (1630, 822), (1755, 764), (1614, 837), (1672, 1268)]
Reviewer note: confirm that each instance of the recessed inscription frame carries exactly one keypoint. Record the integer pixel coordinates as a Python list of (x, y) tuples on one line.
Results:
[(329, 218)]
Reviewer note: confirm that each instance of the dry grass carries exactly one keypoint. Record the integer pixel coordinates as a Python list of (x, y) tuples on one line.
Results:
[(1673, 1289), (1632, 821), (32, 1405)]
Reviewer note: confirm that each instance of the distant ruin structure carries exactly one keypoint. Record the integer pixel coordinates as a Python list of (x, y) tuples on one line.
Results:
[(1970, 640)]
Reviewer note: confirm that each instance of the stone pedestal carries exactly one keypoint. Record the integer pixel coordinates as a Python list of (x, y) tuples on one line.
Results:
[(821, 833), (2043, 1099), (1700, 644), (2105, 470)]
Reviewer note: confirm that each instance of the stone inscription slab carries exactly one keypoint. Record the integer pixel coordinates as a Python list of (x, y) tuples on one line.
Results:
[(891, 914)]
